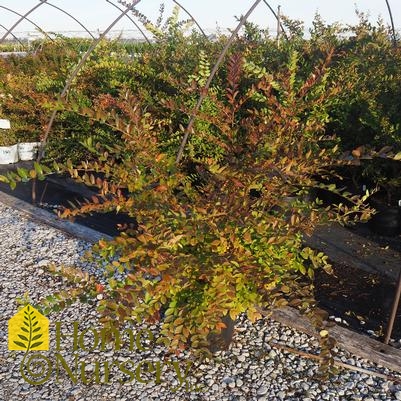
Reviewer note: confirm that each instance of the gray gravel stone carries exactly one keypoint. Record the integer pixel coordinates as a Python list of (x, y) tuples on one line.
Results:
[(262, 390), (251, 370)]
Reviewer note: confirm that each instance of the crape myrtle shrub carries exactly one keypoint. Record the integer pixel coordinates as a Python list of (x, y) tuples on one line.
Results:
[(220, 232), (226, 239)]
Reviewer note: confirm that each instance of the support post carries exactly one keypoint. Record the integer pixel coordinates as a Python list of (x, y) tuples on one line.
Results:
[(394, 309), (278, 25)]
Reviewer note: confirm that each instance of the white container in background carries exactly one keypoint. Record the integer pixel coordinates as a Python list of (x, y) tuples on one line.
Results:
[(5, 124), (28, 150), (8, 154)]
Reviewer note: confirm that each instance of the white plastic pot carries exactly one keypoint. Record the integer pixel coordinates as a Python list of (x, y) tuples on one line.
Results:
[(5, 124), (8, 154), (28, 150)]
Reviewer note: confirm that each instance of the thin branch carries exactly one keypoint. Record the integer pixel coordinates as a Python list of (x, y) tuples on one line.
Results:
[(136, 25), (191, 16), (336, 362), (277, 18), (210, 79)]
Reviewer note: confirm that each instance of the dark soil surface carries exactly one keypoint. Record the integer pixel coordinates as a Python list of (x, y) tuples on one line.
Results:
[(393, 242), (55, 193), (361, 299)]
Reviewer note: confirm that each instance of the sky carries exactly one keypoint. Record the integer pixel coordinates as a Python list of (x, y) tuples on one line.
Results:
[(96, 15)]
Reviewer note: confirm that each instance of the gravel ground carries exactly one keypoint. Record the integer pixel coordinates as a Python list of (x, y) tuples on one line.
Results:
[(250, 370)]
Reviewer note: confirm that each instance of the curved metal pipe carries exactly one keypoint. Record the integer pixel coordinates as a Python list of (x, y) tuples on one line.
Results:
[(77, 69), (41, 2), (68, 83), (192, 18), (5, 28), (71, 16), (277, 18), (205, 89), (136, 25), (392, 23), (27, 19)]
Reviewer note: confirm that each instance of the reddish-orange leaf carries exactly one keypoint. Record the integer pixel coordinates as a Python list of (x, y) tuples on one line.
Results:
[(99, 288), (220, 326)]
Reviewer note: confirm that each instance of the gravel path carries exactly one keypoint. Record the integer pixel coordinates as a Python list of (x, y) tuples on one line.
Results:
[(250, 370)]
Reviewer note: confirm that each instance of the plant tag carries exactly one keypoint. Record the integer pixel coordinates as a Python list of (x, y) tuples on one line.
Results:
[(5, 124), (363, 187)]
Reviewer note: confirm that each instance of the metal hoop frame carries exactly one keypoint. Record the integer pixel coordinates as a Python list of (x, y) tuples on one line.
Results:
[(72, 17), (192, 17), (131, 19), (23, 17), (15, 37), (390, 12), (277, 18), (76, 70)]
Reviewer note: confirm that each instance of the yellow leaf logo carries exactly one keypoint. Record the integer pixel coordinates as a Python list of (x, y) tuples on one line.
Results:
[(28, 330)]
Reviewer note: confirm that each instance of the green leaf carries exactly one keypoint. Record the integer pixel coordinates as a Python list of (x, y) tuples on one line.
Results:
[(4, 179), (22, 173), (38, 168), (20, 344), (56, 167), (36, 337), (397, 156), (36, 344)]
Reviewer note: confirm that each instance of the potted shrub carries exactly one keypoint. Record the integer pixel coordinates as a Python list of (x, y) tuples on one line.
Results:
[(387, 201), (380, 171), (229, 240), (28, 150), (203, 254), (28, 140), (8, 146)]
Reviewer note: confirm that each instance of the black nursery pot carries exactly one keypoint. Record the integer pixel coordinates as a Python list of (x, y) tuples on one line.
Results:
[(328, 198), (386, 221), (222, 341)]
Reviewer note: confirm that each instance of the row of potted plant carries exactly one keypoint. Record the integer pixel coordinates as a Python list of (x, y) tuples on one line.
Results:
[(379, 172), (10, 151)]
